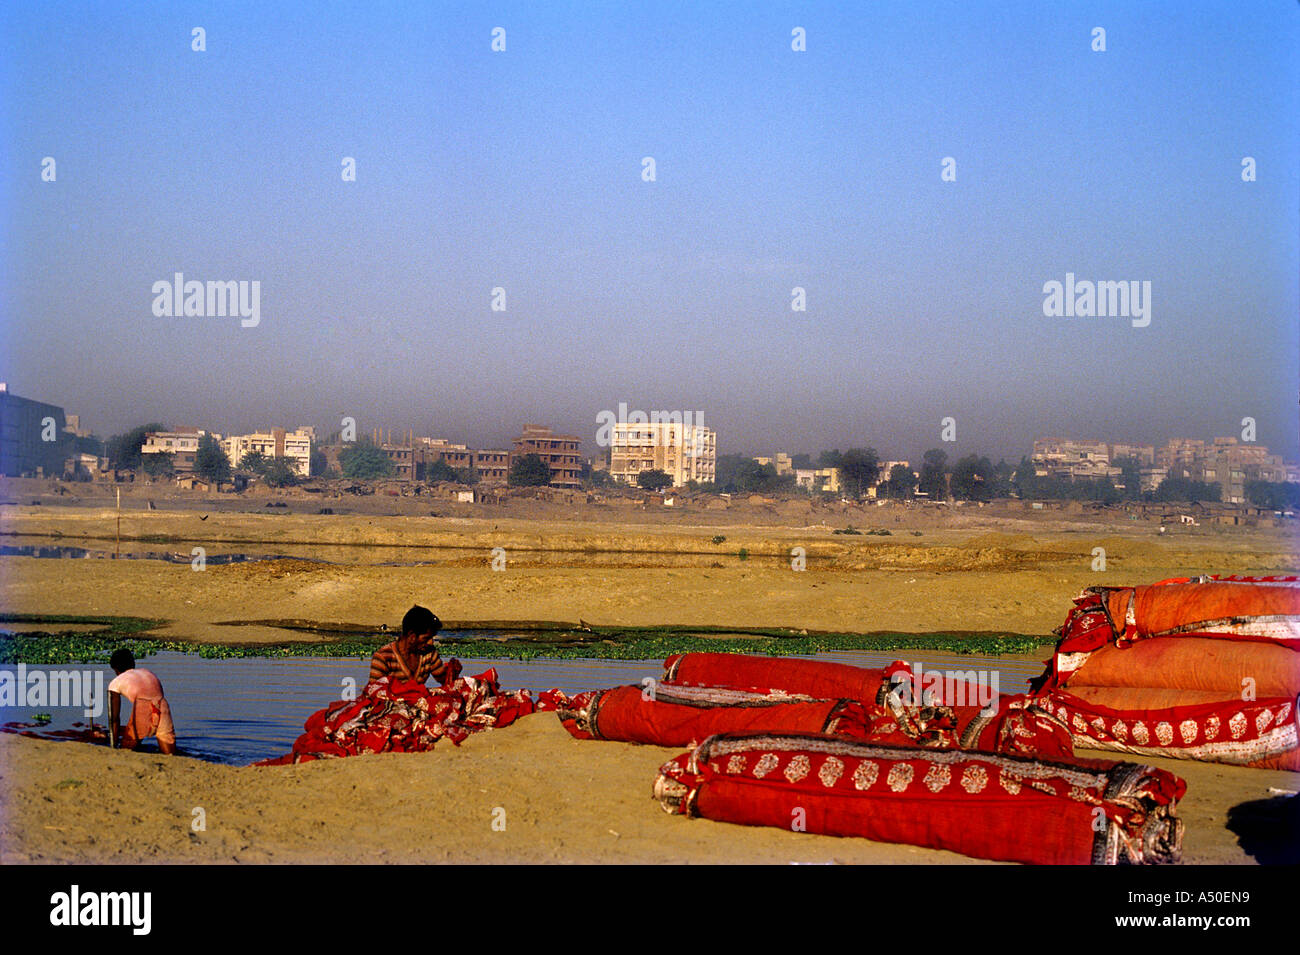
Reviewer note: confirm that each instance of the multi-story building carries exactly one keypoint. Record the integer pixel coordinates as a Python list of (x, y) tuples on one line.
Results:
[(1224, 461), (276, 443), (493, 467), (1064, 457), (818, 479), (685, 452), (781, 461), (558, 451), (31, 436), (182, 444), (402, 457), (1144, 453), (1153, 477)]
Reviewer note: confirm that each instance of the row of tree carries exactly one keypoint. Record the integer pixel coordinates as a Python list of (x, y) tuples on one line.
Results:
[(976, 478)]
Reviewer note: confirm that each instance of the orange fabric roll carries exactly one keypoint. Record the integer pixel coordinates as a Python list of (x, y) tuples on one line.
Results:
[(1193, 663), (1250, 610)]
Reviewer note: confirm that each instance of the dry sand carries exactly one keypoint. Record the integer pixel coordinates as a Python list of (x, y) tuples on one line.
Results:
[(564, 800)]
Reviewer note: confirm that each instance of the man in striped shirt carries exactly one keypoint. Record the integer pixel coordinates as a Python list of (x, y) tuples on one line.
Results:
[(414, 655)]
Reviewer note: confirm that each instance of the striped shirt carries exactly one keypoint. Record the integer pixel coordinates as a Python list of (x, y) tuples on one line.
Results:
[(387, 662)]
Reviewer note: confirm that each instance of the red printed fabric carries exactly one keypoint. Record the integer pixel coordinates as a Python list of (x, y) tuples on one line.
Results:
[(1260, 733), (682, 715), (823, 681), (679, 715), (1262, 612), (978, 804), (403, 716)]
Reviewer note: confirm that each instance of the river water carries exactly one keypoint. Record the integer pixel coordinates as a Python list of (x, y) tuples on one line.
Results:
[(238, 711)]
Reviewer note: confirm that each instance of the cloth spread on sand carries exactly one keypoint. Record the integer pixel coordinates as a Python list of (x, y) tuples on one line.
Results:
[(979, 804), (78, 732), (404, 716)]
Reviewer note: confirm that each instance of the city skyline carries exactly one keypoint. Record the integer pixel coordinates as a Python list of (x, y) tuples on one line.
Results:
[(591, 446), (823, 169)]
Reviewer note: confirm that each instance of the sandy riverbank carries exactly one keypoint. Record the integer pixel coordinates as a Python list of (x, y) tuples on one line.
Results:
[(564, 800)]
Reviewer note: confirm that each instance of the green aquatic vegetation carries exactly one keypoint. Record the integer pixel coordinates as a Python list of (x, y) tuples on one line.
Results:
[(53, 647), (61, 646)]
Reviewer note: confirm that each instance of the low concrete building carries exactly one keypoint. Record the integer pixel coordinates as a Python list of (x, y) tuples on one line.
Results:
[(818, 479)]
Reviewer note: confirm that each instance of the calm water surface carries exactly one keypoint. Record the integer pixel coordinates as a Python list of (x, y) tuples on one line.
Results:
[(242, 710)]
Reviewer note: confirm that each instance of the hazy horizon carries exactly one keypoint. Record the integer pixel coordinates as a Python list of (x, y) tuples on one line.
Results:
[(775, 169)]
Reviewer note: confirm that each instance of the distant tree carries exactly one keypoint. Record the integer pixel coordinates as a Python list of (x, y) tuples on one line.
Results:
[(436, 471), (319, 462), (529, 470), (901, 483), (157, 464), (123, 450), (801, 462), (859, 469), (829, 459), (934, 475), (1184, 489), (654, 480), (280, 472), (1024, 481), (89, 444), (467, 475), (365, 461), (1130, 475), (972, 478), (1002, 473), (1276, 495), (210, 461), (254, 462), (753, 477), (726, 470), (599, 478)]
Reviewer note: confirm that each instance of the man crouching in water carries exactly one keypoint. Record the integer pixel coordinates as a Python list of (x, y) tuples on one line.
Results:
[(414, 655), (150, 714)]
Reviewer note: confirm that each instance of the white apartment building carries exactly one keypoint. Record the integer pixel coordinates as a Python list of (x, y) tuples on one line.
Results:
[(683, 452), (276, 443)]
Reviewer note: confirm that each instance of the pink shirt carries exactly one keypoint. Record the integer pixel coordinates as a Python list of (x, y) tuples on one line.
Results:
[(137, 684)]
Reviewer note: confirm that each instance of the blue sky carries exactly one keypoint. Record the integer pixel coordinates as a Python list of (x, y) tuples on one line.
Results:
[(522, 170)]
